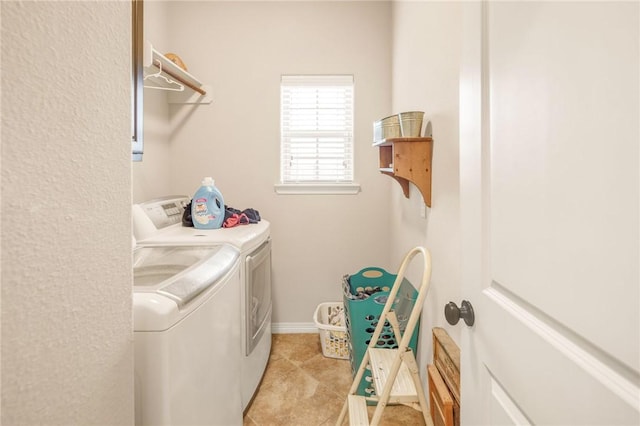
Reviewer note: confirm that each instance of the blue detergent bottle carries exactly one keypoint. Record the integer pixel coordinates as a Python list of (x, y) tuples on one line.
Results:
[(207, 206)]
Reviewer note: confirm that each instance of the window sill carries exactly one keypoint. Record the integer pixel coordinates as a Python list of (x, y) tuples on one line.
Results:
[(317, 188)]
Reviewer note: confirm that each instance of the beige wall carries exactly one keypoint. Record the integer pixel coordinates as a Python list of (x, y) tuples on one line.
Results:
[(67, 341), (426, 51), (241, 49)]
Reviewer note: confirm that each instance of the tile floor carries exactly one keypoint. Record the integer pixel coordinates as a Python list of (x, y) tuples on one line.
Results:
[(301, 387)]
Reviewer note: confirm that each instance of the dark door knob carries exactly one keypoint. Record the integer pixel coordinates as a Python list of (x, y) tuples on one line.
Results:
[(453, 314)]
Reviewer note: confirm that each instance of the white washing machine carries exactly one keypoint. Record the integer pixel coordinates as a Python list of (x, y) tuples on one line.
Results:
[(158, 223), (187, 337)]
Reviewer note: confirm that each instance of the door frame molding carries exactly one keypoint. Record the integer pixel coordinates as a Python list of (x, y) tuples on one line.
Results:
[(472, 124)]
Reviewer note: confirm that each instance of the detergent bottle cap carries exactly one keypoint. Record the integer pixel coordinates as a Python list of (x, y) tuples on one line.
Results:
[(208, 181)]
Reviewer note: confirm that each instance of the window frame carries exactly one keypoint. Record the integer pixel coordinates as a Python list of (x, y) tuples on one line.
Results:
[(338, 186)]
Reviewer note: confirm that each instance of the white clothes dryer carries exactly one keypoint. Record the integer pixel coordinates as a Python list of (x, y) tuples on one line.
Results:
[(187, 336), (158, 223)]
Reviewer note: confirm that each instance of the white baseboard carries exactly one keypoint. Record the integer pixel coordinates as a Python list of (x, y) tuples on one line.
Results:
[(293, 327)]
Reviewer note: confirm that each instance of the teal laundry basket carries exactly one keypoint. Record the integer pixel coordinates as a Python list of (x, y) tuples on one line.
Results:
[(361, 316)]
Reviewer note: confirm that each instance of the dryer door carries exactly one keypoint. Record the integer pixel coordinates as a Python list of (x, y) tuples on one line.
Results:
[(258, 294)]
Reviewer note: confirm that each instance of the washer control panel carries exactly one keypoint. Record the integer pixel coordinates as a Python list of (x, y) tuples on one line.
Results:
[(158, 214)]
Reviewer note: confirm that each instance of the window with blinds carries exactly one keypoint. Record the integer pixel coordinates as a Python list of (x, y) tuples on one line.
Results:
[(316, 125)]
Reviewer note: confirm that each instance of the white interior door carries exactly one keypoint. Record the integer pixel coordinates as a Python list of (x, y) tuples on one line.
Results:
[(550, 213)]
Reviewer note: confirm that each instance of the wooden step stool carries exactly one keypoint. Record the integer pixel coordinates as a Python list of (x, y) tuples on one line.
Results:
[(395, 374)]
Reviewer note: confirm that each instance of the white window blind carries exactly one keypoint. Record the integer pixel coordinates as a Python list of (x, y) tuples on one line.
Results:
[(316, 125)]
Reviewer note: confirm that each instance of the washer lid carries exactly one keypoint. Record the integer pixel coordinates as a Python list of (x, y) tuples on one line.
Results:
[(243, 237), (181, 273)]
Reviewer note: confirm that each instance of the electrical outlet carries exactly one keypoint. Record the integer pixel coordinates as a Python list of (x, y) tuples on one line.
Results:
[(423, 210)]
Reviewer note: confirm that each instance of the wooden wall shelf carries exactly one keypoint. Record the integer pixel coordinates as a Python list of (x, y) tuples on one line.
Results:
[(408, 160)]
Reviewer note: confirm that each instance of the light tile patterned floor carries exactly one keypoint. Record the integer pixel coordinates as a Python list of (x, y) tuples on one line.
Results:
[(301, 387)]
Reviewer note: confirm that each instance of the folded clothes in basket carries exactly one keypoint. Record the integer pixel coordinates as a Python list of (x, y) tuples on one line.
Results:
[(360, 295), (336, 319), (336, 316)]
